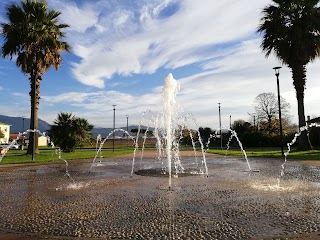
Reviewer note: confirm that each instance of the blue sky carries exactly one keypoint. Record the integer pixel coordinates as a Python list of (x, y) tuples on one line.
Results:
[(122, 51)]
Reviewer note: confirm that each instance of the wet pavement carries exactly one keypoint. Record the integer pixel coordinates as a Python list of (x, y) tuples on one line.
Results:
[(103, 202)]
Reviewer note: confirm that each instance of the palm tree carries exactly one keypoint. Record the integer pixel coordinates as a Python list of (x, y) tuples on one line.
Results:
[(82, 129), (291, 29), (33, 36), (61, 132), (69, 131)]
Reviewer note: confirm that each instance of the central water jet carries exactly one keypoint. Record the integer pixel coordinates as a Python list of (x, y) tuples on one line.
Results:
[(170, 109)]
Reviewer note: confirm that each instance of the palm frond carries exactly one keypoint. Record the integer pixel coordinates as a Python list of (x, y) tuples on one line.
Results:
[(33, 32)]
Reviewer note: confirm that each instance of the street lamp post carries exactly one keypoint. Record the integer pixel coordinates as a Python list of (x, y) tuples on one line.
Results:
[(114, 122), (253, 116), (127, 116), (230, 121), (22, 144), (23, 117), (276, 69), (220, 126)]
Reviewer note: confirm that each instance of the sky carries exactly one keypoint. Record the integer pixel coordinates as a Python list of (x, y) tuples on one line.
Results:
[(122, 50)]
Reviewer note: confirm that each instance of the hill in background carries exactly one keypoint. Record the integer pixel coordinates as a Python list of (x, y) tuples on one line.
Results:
[(17, 126)]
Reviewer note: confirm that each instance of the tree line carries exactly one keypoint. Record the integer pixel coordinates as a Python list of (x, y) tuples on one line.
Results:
[(261, 130), (69, 132)]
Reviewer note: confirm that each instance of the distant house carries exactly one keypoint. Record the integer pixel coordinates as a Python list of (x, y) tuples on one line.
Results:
[(14, 136), (42, 141), (314, 120), (5, 129)]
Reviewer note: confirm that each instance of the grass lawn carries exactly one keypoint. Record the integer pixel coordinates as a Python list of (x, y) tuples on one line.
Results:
[(271, 153), (50, 155)]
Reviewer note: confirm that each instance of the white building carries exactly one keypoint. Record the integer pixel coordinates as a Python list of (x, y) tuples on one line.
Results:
[(42, 141), (5, 129)]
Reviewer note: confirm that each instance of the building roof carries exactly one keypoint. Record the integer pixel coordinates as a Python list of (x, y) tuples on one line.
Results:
[(14, 136), (2, 123), (314, 120)]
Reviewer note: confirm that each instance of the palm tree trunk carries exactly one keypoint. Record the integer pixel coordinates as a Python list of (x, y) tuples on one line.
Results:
[(34, 94), (299, 79)]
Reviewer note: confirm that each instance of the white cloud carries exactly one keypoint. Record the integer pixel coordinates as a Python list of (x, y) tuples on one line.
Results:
[(96, 105), (234, 80), (80, 18), (123, 40)]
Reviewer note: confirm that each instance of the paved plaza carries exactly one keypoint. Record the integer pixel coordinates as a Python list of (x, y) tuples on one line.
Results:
[(103, 202)]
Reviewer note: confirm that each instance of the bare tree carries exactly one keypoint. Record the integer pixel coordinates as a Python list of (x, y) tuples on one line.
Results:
[(267, 108)]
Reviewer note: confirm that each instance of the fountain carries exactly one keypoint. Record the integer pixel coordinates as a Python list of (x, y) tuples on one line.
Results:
[(168, 132), (293, 141), (233, 135), (101, 142), (36, 203), (57, 150)]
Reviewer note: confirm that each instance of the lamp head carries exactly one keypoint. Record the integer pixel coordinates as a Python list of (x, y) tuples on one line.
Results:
[(276, 70)]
